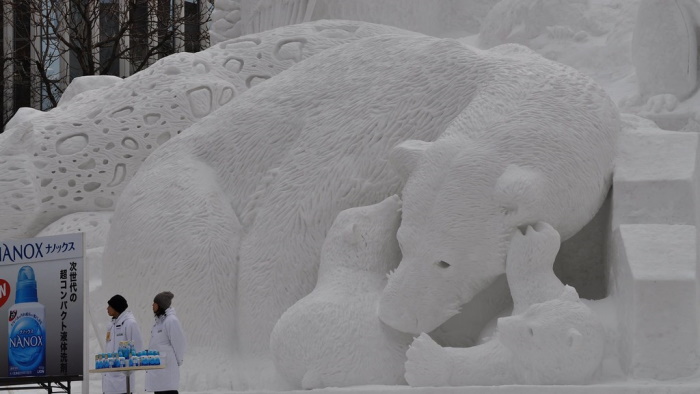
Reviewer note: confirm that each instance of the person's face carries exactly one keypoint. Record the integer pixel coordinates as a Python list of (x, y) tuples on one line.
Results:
[(112, 312), (155, 307)]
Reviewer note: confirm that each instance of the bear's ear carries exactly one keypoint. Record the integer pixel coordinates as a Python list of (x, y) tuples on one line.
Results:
[(405, 156), (518, 192), (574, 339)]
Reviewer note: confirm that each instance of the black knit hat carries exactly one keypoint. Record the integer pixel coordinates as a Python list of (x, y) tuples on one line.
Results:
[(118, 303), (164, 299)]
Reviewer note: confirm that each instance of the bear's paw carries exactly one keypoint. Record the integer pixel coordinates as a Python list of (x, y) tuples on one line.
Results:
[(536, 244), (428, 364)]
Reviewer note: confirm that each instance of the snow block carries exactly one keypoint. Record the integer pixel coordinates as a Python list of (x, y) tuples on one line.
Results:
[(653, 272), (656, 178)]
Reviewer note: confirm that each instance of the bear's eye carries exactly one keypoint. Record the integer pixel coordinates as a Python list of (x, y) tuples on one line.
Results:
[(442, 264)]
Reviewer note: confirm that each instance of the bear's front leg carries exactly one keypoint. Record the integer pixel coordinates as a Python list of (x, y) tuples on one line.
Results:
[(428, 363), (529, 265)]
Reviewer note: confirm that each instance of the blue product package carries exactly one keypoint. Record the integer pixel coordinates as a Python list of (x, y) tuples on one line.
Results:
[(26, 329)]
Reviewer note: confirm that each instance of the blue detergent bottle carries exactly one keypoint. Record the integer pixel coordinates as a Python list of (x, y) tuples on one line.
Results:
[(27, 329)]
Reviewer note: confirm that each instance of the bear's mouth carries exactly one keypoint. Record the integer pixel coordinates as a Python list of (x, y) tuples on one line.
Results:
[(414, 321)]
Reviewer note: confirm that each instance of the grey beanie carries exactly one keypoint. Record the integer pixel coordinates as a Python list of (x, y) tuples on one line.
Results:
[(164, 299)]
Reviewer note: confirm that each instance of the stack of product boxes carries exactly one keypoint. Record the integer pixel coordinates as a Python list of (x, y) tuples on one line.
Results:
[(126, 356)]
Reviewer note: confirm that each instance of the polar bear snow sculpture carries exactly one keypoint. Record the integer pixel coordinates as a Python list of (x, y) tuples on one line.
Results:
[(333, 336), (541, 149), (555, 342), (273, 168), (551, 338), (80, 156)]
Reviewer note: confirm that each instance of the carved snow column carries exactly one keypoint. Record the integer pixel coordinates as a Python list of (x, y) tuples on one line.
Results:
[(653, 255)]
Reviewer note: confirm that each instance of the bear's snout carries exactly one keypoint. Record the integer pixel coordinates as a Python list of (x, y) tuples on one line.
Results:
[(412, 303)]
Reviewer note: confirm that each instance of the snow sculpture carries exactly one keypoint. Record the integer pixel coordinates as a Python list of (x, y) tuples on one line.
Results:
[(333, 336), (79, 156), (225, 19), (545, 155), (551, 338), (95, 225), (22, 115), (83, 84), (440, 18), (282, 176), (315, 141), (518, 21), (665, 48), (254, 16)]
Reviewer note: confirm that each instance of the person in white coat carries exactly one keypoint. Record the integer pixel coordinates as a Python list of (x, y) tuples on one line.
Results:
[(168, 338), (122, 328)]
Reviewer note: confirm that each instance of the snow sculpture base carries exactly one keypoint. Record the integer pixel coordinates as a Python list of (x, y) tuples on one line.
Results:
[(653, 284)]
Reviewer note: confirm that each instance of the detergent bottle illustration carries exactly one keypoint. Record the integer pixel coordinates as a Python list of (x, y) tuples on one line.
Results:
[(27, 329)]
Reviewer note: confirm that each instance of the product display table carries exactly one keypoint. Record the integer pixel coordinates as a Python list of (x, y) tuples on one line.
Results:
[(127, 371)]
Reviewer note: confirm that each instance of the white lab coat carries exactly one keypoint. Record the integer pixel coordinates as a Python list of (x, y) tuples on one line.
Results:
[(123, 328), (168, 338)]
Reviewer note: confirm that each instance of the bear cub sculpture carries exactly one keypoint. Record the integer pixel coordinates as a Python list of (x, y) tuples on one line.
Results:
[(551, 338), (333, 336)]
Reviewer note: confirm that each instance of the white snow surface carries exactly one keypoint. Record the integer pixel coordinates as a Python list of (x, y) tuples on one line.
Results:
[(593, 36)]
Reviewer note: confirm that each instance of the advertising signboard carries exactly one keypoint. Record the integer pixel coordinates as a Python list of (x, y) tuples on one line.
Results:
[(41, 303)]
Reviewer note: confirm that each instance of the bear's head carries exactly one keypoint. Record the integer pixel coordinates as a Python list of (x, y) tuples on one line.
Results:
[(364, 238), (461, 203), (555, 342)]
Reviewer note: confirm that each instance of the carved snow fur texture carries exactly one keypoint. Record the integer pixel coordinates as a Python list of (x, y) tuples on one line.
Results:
[(529, 263), (333, 336), (80, 156), (552, 337), (555, 342), (559, 341), (536, 144), (315, 139), (286, 158)]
